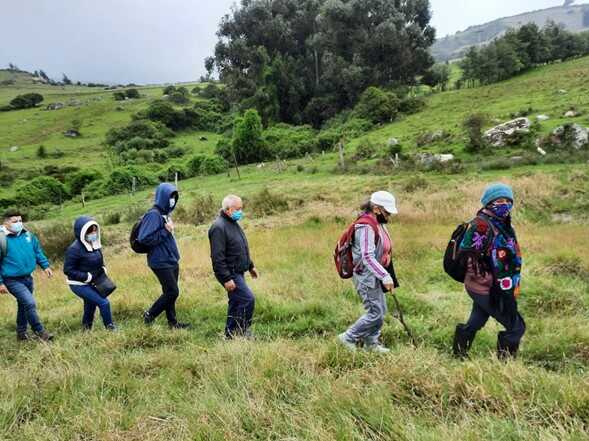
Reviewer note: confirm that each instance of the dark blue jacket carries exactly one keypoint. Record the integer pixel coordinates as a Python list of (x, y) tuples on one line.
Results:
[(163, 251), (83, 260)]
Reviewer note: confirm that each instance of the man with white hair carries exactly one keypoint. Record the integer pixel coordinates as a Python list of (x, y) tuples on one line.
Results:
[(231, 259)]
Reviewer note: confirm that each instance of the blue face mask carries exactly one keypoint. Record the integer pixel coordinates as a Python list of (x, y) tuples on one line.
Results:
[(501, 210), (93, 237), (172, 202), (237, 215), (16, 227)]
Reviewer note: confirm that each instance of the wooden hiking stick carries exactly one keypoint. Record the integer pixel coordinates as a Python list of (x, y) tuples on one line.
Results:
[(402, 319)]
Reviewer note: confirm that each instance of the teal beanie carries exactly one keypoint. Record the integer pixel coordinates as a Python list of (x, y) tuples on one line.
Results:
[(496, 191)]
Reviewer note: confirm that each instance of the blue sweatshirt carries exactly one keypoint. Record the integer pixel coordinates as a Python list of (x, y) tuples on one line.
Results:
[(163, 251), (83, 260), (23, 254)]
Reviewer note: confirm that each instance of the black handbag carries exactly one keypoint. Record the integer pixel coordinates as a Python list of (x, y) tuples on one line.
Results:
[(104, 285)]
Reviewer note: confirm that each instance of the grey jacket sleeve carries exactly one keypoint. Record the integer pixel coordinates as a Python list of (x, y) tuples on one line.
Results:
[(364, 236)]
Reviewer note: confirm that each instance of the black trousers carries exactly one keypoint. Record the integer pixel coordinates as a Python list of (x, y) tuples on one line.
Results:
[(168, 278), (510, 318)]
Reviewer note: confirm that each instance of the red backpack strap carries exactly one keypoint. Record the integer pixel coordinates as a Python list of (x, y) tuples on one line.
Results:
[(366, 219)]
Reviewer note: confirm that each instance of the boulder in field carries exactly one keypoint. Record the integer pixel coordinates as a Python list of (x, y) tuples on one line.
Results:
[(55, 106), (499, 135), (574, 134), (13, 149), (72, 133), (542, 117)]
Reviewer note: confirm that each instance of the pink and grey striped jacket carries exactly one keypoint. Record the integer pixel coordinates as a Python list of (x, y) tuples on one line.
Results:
[(368, 256)]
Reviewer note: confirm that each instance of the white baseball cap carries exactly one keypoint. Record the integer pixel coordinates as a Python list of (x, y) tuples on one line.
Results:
[(385, 200)]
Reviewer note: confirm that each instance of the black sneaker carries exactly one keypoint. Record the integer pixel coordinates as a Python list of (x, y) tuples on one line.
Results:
[(179, 325), (147, 318)]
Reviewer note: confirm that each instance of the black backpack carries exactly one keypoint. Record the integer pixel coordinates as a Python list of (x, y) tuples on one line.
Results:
[(137, 246), (454, 262)]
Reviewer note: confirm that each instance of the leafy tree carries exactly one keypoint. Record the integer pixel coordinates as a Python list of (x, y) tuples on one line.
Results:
[(437, 77), (169, 90), (41, 152), (79, 180), (119, 96), (65, 80), (305, 60), (377, 106), (247, 145), (42, 189)]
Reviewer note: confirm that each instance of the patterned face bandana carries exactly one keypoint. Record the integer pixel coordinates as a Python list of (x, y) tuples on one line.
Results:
[(501, 210)]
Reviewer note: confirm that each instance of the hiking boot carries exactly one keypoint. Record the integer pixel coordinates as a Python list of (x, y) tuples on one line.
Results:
[(506, 350), (179, 325), (22, 336), (343, 340), (44, 336), (112, 327), (378, 348), (86, 327), (147, 318), (462, 342)]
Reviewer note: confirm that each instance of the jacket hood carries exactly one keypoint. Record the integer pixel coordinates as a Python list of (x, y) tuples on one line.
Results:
[(163, 194), (81, 227)]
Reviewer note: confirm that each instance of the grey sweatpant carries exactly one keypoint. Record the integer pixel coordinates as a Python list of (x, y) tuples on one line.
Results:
[(368, 327)]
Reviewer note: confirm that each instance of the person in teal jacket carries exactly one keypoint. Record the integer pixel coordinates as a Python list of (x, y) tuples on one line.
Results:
[(20, 253)]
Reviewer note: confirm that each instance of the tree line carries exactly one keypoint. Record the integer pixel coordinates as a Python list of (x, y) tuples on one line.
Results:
[(520, 50), (304, 61)]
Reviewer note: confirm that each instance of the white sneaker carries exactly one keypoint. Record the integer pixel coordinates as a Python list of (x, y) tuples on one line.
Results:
[(378, 348), (342, 339)]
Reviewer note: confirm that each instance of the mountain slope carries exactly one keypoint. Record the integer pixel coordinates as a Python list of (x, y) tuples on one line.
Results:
[(574, 18)]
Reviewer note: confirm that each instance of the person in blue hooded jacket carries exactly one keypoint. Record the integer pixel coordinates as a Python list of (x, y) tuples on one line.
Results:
[(156, 232), (20, 253), (84, 264)]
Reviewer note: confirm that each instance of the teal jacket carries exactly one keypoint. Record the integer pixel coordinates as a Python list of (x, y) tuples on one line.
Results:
[(23, 254)]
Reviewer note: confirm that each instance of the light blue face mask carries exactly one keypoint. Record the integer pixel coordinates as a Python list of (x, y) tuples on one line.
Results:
[(16, 227), (93, 237), (237, 215)]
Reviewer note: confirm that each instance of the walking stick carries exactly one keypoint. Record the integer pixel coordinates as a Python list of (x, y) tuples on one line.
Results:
[(402, 320)]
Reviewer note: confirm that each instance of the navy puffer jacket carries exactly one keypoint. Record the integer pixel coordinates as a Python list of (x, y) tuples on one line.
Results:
[(83, 260)]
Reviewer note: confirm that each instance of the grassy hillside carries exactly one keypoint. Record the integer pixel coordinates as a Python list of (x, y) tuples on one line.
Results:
[(294, 382)]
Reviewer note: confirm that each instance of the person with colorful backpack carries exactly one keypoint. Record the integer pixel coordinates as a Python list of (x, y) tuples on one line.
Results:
[(492, 261), (363, 253), (20, 253)]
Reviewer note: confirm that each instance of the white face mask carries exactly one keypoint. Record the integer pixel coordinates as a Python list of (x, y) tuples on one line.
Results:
[(172, 202)]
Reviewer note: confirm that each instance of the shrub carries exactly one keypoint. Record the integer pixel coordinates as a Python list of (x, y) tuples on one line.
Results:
[(169, 90), (95, 190), (138, 135), (265, 203), (55, 238), (132, 93), (79, 180), (41, 152), (201, 211), (26, 101), (119, 96), (377, 105), (203, 165), (120, 180), (411, 105), (168, 173), (415, 183), (473, 125), (178, 98), (285, 141), (365, 150), (41, 190), (112, 218)]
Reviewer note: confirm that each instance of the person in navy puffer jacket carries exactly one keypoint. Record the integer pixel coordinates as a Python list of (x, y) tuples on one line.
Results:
[(84, 264), (156, 232)]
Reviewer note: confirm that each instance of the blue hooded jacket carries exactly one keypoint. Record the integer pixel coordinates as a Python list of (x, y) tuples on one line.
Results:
[(163, 251), (83, 260)]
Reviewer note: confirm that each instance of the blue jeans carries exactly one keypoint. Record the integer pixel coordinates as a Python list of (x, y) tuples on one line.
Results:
[(92, 300), (240, 309), (22, 289)]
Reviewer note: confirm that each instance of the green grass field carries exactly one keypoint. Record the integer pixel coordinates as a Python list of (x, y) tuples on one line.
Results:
[(294, 382)]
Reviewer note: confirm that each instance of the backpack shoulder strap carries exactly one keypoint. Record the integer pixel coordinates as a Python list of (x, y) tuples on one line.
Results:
[(368, 220)]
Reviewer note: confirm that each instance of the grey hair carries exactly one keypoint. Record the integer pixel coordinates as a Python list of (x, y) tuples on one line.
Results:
[(229, 201)]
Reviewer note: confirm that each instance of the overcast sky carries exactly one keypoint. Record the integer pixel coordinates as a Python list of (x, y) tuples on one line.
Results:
[(158, 41)]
